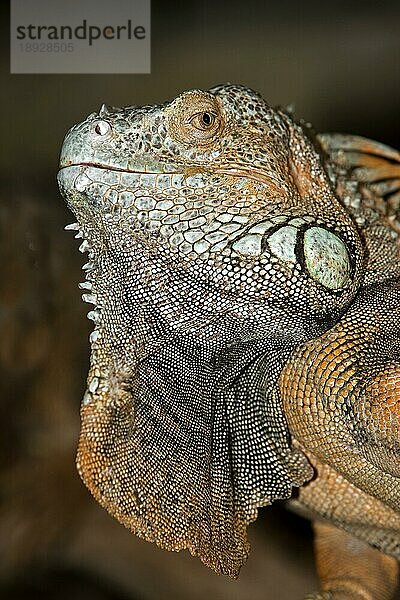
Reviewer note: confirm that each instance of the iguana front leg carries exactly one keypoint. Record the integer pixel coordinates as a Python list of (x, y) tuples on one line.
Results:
[(350, 569), (341, 396)]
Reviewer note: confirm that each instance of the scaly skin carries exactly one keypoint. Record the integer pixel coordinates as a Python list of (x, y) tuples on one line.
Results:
[(227, 249)]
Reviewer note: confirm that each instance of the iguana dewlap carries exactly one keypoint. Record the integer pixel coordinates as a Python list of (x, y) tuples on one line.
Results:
[(245, 276)]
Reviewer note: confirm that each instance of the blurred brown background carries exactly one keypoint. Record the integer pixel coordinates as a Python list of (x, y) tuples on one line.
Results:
[(339, 64)]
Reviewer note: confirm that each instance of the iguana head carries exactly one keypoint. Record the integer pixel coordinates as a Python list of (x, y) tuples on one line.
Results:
[(226, 188), (216, 244)]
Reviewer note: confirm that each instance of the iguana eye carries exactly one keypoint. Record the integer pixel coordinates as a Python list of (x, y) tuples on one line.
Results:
[(101, 128), (203, 121), (195, 118)]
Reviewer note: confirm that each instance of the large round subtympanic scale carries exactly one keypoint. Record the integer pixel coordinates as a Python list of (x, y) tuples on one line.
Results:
[(326, 258)]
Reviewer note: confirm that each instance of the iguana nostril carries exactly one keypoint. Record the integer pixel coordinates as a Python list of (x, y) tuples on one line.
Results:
[(102, 128)]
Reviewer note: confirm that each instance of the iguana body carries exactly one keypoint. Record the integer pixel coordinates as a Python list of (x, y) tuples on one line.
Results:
[(245, 277)]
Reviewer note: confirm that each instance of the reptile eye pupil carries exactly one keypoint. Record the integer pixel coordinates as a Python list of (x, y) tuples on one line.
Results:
[(207, 118)]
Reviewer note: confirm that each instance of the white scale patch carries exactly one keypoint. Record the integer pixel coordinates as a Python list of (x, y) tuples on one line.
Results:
[(326, 257), (248, 245), (282, 243)]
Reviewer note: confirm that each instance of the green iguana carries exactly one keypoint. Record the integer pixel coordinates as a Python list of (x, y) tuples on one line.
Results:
[(245, 276)]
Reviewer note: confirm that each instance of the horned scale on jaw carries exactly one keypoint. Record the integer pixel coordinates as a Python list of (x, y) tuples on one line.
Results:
[(216, 246)]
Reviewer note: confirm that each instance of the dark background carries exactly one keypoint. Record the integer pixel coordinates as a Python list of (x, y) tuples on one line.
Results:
[(339, 64)]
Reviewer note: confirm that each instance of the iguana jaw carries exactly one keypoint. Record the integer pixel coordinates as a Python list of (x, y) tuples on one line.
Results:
[(165, 169)]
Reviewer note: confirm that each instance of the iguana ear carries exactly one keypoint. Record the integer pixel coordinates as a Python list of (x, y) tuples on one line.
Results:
[(185, 451), (366, 162)]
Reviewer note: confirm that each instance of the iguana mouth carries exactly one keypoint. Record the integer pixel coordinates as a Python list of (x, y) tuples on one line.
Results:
[(253, 174), (120, 169)]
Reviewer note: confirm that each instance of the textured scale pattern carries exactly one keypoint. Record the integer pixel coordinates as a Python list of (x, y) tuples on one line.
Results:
[(245, 276)]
